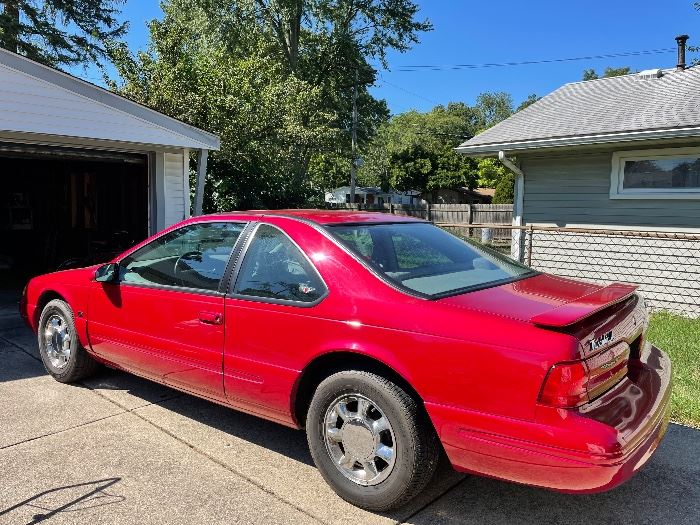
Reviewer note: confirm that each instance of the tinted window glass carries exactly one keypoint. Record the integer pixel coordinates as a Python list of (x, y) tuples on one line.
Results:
[(194, 256), (666, 173), (427, 259), (274, 268)]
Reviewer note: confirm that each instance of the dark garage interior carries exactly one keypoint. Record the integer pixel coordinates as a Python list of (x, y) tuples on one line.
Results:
[(62, 208)]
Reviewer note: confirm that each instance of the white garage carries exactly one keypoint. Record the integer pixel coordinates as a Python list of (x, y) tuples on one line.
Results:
[(83, 171)]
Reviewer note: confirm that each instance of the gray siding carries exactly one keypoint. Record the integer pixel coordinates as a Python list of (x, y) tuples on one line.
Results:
[(574, 188)]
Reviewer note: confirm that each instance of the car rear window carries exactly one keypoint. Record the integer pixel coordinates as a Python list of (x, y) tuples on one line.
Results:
[(423, 258)]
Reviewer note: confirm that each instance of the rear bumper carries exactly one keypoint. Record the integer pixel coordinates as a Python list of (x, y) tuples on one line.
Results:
[(592, 449)]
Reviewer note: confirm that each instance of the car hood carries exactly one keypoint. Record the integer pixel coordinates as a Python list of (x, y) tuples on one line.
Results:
[(543, 299)]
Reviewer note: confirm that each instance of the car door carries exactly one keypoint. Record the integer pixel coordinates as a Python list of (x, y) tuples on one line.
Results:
[(164, 316), (275, 283)]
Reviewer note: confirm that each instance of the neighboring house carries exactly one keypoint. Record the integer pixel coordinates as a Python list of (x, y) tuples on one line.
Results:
[(458, 196), (619, 153), (81, 165), (372, 195)]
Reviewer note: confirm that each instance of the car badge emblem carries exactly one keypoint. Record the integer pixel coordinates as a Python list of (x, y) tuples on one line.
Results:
[(601, 341), (611, 363)]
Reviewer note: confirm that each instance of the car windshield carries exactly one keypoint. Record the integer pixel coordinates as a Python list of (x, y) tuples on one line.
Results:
[(426, 259)]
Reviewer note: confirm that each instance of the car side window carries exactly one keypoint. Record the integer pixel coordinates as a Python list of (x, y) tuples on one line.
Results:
[(274, 268), (194, 256)]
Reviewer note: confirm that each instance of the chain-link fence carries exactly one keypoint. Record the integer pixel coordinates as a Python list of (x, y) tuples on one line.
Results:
[(665, 265)]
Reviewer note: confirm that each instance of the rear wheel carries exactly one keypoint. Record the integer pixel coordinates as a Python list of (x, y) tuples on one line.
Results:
[(370, 440), (60, 350)]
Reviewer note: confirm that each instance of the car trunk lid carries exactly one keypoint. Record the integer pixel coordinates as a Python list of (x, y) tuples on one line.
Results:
[(607, 320), (542, 299)]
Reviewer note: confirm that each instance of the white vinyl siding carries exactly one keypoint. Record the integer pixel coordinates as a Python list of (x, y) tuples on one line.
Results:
[(32, 105), (174, 185)]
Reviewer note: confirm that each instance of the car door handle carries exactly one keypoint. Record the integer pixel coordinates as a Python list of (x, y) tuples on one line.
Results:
[(210, 318)]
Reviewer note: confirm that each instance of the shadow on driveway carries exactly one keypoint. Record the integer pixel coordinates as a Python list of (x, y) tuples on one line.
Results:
[(68, 498), (286, 441)]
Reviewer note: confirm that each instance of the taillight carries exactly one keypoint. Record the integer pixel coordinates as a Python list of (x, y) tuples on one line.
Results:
[(571, 384)]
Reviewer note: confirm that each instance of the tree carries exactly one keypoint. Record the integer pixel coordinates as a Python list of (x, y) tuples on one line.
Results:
[(313, 34), (60, 32), (329, 44), (492, 108), (490, 172), (590, 74), (493, 174), (530, 100), (416, 150), (274, 83), (505, 190)]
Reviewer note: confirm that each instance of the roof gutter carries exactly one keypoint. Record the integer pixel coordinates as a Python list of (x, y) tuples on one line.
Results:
[(489, 150), (517, 244)]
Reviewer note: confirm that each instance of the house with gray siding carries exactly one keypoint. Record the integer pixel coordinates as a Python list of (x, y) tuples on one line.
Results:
[(613, 154)]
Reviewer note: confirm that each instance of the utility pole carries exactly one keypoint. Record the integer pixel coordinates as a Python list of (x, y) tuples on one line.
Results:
[(353, 166)]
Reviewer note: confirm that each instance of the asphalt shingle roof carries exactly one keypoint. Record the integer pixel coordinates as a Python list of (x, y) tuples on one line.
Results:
[(629, 103)]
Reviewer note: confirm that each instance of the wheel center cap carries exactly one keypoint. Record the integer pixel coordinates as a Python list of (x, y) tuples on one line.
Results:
[(358, 440)]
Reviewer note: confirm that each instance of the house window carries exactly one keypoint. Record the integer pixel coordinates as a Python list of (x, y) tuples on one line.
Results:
[(672, 173)]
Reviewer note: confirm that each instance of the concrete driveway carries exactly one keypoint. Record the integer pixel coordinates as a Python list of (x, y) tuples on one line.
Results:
[(118, 449)]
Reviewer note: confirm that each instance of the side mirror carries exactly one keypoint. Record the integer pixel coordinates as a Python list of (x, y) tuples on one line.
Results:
[(107, 273)]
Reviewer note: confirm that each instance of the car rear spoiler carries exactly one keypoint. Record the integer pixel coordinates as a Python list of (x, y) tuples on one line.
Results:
[(585, 306)]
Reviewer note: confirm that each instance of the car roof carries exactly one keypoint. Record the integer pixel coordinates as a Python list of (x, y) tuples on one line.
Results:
[(323, 216)]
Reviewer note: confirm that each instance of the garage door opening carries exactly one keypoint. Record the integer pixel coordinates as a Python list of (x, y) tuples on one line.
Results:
[(62, 208)]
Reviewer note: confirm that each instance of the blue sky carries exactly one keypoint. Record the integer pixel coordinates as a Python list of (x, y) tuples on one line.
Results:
[(478, 32)]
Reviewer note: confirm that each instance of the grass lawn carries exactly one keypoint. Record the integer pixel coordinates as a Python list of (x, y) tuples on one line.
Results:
[(680, 337)]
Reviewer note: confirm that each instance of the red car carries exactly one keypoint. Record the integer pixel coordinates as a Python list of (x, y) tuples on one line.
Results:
[(387, 338)]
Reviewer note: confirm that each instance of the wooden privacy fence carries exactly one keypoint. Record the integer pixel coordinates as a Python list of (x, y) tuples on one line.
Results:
[(445, 213)]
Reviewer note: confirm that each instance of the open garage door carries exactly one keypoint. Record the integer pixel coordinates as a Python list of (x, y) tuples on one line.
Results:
[(66, 208)]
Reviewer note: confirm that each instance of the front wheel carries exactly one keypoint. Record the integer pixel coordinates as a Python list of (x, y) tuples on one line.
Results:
[(370, 440), (61, 352)]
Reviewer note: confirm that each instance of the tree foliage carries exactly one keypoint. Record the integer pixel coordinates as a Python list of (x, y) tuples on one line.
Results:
[(268, 120), (505, 189), (60, 32), (590, 74), (490, 172), (529, 101), (274, 78), (416, 150)]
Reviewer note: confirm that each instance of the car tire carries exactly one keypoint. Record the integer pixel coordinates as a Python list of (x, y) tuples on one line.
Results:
[(360, 424), (59, 347)]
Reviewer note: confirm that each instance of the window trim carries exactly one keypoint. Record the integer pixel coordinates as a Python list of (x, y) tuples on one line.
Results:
[(223, 283), (271, 300), (617, 191)]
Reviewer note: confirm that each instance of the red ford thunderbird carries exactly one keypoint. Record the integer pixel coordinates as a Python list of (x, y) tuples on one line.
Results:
[(388, 339)]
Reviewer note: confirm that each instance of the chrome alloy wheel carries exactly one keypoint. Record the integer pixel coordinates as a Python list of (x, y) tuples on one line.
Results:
[(359, 439), (58, 339)]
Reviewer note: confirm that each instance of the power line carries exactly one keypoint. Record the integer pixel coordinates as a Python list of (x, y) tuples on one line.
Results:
[(447, 67), (381, 78)]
